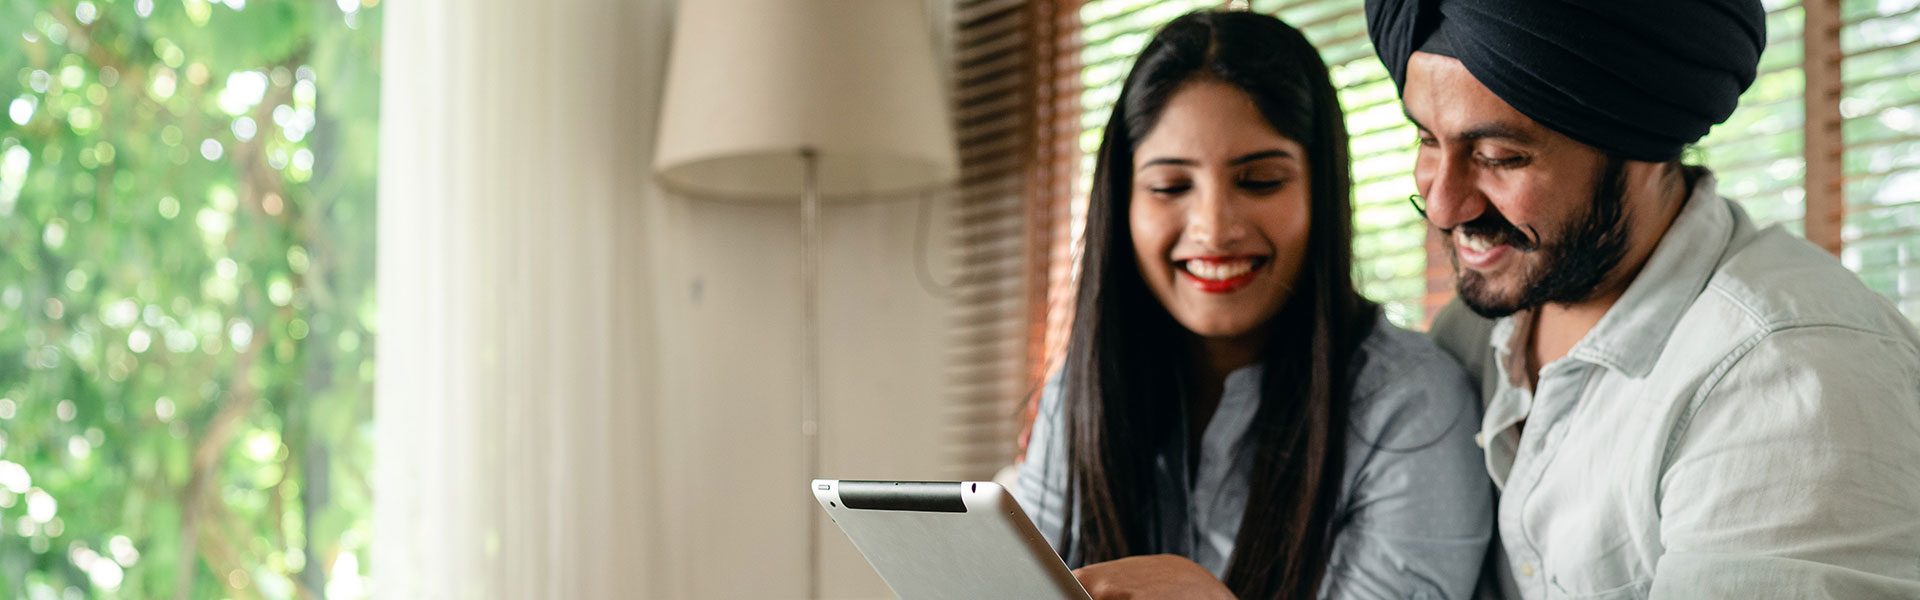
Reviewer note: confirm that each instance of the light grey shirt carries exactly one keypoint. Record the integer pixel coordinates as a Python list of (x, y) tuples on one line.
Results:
[(1743, 423), (1414, 513)]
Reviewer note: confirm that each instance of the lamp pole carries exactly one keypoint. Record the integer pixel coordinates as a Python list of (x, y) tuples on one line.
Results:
[(810, 353)]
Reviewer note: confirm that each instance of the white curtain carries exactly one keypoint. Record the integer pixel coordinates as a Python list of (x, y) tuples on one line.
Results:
[(587, 388), (517, 335)]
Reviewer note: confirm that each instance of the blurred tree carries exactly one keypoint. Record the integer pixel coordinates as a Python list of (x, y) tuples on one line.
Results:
[(186, 297)]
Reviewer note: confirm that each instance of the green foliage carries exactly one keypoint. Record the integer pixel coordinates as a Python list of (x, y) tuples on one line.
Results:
[(186, 293)]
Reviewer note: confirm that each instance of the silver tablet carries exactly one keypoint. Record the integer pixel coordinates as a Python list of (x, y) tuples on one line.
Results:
[(954, 539)]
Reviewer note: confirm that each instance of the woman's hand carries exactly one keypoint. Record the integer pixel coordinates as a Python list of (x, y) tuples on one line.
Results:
[(1156, 577)]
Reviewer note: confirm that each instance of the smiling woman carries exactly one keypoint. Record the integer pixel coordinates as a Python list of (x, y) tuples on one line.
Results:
[(1218, 328), (1220, 211)]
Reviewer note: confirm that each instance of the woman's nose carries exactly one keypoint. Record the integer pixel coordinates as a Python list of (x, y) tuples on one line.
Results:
[(1213, 219)]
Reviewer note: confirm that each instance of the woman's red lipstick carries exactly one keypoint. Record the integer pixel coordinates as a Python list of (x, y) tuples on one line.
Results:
[(1225, 285)]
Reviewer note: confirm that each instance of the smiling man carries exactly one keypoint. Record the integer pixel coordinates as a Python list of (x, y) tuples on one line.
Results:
[(1679, 404)]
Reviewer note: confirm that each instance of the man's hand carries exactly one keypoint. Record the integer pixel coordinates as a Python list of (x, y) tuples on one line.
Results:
[(1157, 577)]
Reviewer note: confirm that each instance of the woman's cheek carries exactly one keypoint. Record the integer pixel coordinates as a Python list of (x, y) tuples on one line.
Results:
[(1154, 231)]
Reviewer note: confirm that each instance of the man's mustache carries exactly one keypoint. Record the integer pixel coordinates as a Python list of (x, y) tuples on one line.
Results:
[(1491, 225), (1496, 227)]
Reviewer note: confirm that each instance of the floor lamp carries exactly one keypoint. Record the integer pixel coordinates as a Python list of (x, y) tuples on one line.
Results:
[(814, 101)]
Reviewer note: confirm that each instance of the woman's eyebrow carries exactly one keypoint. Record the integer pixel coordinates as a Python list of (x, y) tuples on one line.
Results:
[(1241, 160), (1261, 155), (1182, 162)]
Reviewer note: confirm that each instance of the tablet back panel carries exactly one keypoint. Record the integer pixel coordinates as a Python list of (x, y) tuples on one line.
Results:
[(947, 540)]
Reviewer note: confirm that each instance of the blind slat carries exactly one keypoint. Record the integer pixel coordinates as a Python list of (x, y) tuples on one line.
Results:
[(995, 69)]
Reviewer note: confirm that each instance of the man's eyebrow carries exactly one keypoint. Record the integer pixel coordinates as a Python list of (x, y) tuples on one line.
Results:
[(1494, 130), (1410, 119), (1498, 131)]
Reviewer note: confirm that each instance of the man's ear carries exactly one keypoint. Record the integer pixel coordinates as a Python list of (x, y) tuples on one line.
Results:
[(1663, 182)]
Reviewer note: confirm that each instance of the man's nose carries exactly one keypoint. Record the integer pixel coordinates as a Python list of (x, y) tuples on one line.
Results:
[(1451, 197)]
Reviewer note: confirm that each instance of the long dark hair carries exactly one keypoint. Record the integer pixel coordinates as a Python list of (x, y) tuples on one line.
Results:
[(1123, 359)]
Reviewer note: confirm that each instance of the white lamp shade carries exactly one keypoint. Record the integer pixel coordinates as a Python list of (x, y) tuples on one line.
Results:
[(753, 82)]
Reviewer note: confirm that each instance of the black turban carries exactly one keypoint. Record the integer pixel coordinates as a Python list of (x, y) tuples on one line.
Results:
[(1639, 79)]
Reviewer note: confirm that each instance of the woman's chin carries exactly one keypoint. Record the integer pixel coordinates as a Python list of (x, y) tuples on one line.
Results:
[(1212, 317), (1219, 327)]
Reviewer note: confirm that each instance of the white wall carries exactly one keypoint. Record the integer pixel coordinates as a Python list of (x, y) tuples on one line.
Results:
[(727, 285), (731, 449)]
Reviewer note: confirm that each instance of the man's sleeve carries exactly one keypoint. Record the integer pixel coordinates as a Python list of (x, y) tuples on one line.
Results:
[(1795, 473), (1466, 336)]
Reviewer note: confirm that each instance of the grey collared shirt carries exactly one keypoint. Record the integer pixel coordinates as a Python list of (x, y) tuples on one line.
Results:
[(1414, 513), (1743, 423)]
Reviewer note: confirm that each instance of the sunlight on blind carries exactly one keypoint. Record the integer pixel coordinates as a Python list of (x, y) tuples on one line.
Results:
[(1758, 154), (1880, 108)]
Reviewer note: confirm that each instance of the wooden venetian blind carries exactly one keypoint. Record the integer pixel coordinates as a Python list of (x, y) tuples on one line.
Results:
[(1052, 185), (993, 97), (1878, 113)]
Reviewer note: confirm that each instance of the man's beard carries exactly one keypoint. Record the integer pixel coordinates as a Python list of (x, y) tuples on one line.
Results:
[(1570, 266)]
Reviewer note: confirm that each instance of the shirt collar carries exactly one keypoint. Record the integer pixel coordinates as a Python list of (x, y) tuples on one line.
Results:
[(1240, 393), (1631, 335), (1242, 382)]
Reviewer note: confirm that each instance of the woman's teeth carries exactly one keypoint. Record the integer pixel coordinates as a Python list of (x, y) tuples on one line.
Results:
[(1219, 270), (1476, 243)]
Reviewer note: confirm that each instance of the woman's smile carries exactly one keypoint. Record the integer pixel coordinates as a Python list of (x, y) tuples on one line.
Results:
[(1221, 274)]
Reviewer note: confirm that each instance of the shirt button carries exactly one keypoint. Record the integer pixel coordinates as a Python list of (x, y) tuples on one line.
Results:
[(1480, 439), (1526, 569)]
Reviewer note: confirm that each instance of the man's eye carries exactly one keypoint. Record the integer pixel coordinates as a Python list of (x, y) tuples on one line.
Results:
[(1503, 162), (1427, 142)]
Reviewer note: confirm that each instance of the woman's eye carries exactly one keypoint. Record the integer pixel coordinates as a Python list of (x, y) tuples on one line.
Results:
[(1169, 190), (1262, 185)]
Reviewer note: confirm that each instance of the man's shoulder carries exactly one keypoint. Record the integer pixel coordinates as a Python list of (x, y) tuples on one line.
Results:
[(1778, 308), (1467, 337), (1462, 333), (1778, 281)]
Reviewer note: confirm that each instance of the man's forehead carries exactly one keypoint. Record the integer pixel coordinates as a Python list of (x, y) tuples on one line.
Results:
[(1444, 98)]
